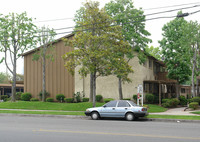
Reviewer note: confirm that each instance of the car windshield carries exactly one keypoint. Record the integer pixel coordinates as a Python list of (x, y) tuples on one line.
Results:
[(132, 103)]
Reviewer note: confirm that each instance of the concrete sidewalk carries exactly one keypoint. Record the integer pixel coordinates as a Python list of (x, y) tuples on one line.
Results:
[(178, 111)]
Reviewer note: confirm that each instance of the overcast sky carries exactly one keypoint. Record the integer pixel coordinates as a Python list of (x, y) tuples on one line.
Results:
[(46, 10)]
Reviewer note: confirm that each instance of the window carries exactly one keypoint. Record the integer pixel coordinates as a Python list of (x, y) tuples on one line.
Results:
[(111, 104), (123, 104), (182, 90), (150, 64)]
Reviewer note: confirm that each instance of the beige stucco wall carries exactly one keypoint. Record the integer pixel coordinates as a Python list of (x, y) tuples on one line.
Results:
[(108, 86)]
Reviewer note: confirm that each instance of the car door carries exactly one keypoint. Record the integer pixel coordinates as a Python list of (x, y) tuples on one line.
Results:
[(108, 110), (122, 108)]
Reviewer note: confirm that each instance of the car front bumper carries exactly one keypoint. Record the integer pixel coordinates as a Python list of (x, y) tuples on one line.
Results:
[(87, 113)]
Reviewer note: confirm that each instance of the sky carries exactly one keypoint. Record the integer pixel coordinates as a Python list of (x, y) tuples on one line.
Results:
[(58, 14)]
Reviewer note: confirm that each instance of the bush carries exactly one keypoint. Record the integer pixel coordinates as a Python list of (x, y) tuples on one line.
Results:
[(99, 98), (69, 100), (194, 105), (168, 103), (77, 97), (85, 99), (18, 95), (46, 94), (183, 100), (34, 99), (128, 99), (149, 98), (106, 100), (60, 97), (135, 98), (49, 100), (4, 97), (196, 99), (26, 96)]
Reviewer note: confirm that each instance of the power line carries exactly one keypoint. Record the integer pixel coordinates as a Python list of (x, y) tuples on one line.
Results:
[(171, 6)]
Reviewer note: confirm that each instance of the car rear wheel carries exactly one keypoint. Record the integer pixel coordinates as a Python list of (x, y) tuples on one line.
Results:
[(130, 116), (95, 115)]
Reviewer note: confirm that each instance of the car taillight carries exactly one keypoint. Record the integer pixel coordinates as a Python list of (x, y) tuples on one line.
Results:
[(143, 109)]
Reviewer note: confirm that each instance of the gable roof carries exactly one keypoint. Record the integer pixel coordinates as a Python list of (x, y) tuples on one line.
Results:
[(60, 39)]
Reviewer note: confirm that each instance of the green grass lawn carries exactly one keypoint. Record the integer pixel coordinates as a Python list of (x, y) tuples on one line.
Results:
[(174, 117), (197, 112)]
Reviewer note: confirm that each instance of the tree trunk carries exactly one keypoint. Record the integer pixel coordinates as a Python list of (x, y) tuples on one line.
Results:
[(14, 81), (177, 90), (94, 89), (43, 79), (120, 88), (91, 87), (197, 87), (193, 72)]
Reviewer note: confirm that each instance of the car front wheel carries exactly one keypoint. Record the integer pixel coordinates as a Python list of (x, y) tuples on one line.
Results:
[(130, 116), (95, 115)]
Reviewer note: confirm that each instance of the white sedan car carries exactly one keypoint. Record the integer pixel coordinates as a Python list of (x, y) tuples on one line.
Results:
[(117, 109)]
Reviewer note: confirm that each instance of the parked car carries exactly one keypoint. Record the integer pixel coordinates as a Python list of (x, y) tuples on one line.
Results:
[(117, 109)]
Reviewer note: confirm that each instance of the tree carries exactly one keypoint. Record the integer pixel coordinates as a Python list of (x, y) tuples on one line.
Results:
[(133, 30), (96, 42), (45, 52), (176, 55), (17, 35), (153, 51), (4, 78), (192, 38)]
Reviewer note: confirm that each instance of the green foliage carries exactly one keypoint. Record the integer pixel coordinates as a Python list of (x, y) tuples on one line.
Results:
[(49, 100), (46, 94), (128, 99), (183, 100), (60, 97), (4, 97), (149, 98), (18, 95), (106, 100), (69, 100), (4, 78), (153, 51), (174, 50), (135, 98), (170, 103), (196, 99), (194, 105), (77, 97), (26, 96), (99, 98), (85, 99), (34, 99)]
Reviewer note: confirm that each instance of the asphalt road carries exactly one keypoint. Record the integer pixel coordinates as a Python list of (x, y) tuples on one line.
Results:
[(52, 129)]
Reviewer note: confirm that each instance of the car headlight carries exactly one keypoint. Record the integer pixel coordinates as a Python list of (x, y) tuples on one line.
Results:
[(87, 110)]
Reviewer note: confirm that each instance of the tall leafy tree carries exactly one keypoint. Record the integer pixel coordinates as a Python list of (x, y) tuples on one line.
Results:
[(45, 53), (176, 55), (154, 51), (133, 29), (16, 36), (96, 42)]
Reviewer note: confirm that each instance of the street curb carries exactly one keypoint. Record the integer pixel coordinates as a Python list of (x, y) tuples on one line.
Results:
[(88, 118)]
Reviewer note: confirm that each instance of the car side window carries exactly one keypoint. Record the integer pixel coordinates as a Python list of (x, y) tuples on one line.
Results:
[(111, 104), (123, 104)]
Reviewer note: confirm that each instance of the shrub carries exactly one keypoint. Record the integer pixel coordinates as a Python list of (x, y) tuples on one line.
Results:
[(106, 100), (77, 97), (69, 100), (194, 105), (183, 100), (170, 102), (149, 98), (99, 98), (135, 98), (60, 97), (18, 95), (4, 97), (85, 99), (34, 99), (46, 94), (49, 100), (26, 96), (128, 99), (196, 99)]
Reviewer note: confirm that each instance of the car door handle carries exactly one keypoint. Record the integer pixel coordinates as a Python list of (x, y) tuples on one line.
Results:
[(125, 108), (113, 108)]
